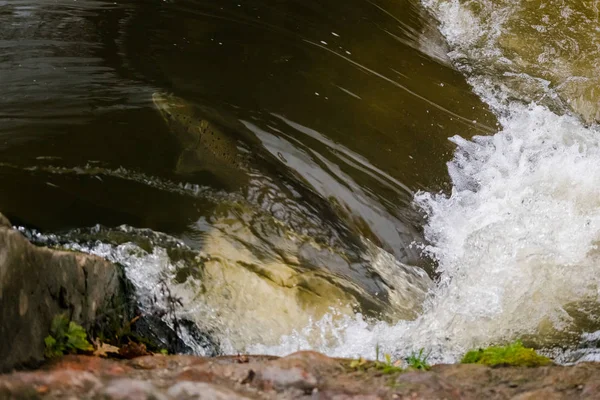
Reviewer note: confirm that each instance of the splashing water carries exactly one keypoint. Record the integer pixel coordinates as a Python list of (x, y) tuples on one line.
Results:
[(516, 239), (223, 292)]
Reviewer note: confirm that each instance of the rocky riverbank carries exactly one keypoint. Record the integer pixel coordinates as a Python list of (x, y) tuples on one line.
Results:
[(303, 375)]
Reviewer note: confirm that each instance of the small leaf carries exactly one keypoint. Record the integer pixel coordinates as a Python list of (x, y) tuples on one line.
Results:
[(50, 341), (358, 363), (53, 348), (59, 326), (77, 338)]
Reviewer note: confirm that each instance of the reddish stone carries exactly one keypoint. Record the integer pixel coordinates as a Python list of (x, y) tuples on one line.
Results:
[(48, 381), (95, 365), (158, 361)]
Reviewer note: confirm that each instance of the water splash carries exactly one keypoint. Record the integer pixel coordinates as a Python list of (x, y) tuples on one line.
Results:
[(228, 293), (516, 239)]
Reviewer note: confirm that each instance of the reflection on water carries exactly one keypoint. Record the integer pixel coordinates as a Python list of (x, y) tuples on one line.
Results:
[(351, 104), (52, 65), (78, 79)]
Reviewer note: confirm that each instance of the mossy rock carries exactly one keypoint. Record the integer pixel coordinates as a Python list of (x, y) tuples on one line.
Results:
[(513, 355)]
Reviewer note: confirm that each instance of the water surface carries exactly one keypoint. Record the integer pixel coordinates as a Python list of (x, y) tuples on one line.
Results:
[(351, 104)]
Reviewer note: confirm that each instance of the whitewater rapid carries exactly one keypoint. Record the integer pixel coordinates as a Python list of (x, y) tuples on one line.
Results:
[(516, 238)]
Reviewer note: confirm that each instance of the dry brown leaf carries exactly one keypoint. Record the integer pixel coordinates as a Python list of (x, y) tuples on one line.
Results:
[(103, 350), (132, 350)]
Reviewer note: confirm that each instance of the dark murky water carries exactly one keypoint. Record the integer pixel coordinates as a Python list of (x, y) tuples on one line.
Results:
[(353, 100), (77, 78)]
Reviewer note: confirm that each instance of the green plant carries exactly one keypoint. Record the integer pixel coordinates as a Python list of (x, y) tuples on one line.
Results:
[(384, 367), (388, 367), (418, 361), (514, 354), (65, 337)]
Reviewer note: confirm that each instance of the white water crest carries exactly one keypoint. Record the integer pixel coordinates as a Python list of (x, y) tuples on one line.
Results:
[(516, 240)]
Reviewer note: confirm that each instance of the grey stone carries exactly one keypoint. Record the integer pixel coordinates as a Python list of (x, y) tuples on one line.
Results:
[(284, 378), (131, 389), (202, 391), (38, 283)]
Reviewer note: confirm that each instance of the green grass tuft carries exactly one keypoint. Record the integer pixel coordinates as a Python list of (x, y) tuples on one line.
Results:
[(418, 361), (514, 355), (386, 367)]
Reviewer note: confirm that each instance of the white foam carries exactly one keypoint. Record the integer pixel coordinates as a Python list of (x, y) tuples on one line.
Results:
[(516, 241)]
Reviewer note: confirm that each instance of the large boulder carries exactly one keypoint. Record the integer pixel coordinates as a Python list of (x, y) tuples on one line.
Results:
[(38, 283)]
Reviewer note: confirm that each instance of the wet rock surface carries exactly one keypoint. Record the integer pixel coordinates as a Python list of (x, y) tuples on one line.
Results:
[(37, 284), (302, 375)]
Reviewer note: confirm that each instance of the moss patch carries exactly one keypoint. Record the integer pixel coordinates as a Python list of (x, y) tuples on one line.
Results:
[(514, 355)]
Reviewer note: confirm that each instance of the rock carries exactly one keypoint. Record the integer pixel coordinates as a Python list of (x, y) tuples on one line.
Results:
[(286, 378), (546, 394), (4, 222), (131, 389), (173, 362), (203, 391), (303, 370), (591, 389), (37, 284), (427, 384), (303, 375), (26, 385), (101, 366)]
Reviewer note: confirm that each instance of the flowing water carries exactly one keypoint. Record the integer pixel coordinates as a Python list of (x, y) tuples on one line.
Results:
[(286, 170)]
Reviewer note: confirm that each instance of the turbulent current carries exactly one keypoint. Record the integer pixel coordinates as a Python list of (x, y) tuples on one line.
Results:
[(510, 247), (516, 239)]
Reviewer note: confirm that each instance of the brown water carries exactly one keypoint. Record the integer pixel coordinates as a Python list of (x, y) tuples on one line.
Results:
[(355, 100), (77, 78)]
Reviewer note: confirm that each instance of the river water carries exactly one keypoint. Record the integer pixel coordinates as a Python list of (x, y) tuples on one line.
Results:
[(353, 222)]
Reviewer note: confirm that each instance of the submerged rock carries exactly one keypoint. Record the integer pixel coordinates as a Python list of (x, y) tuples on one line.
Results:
[(285, 241), (542, 51), (37, 284), (557, 41)]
